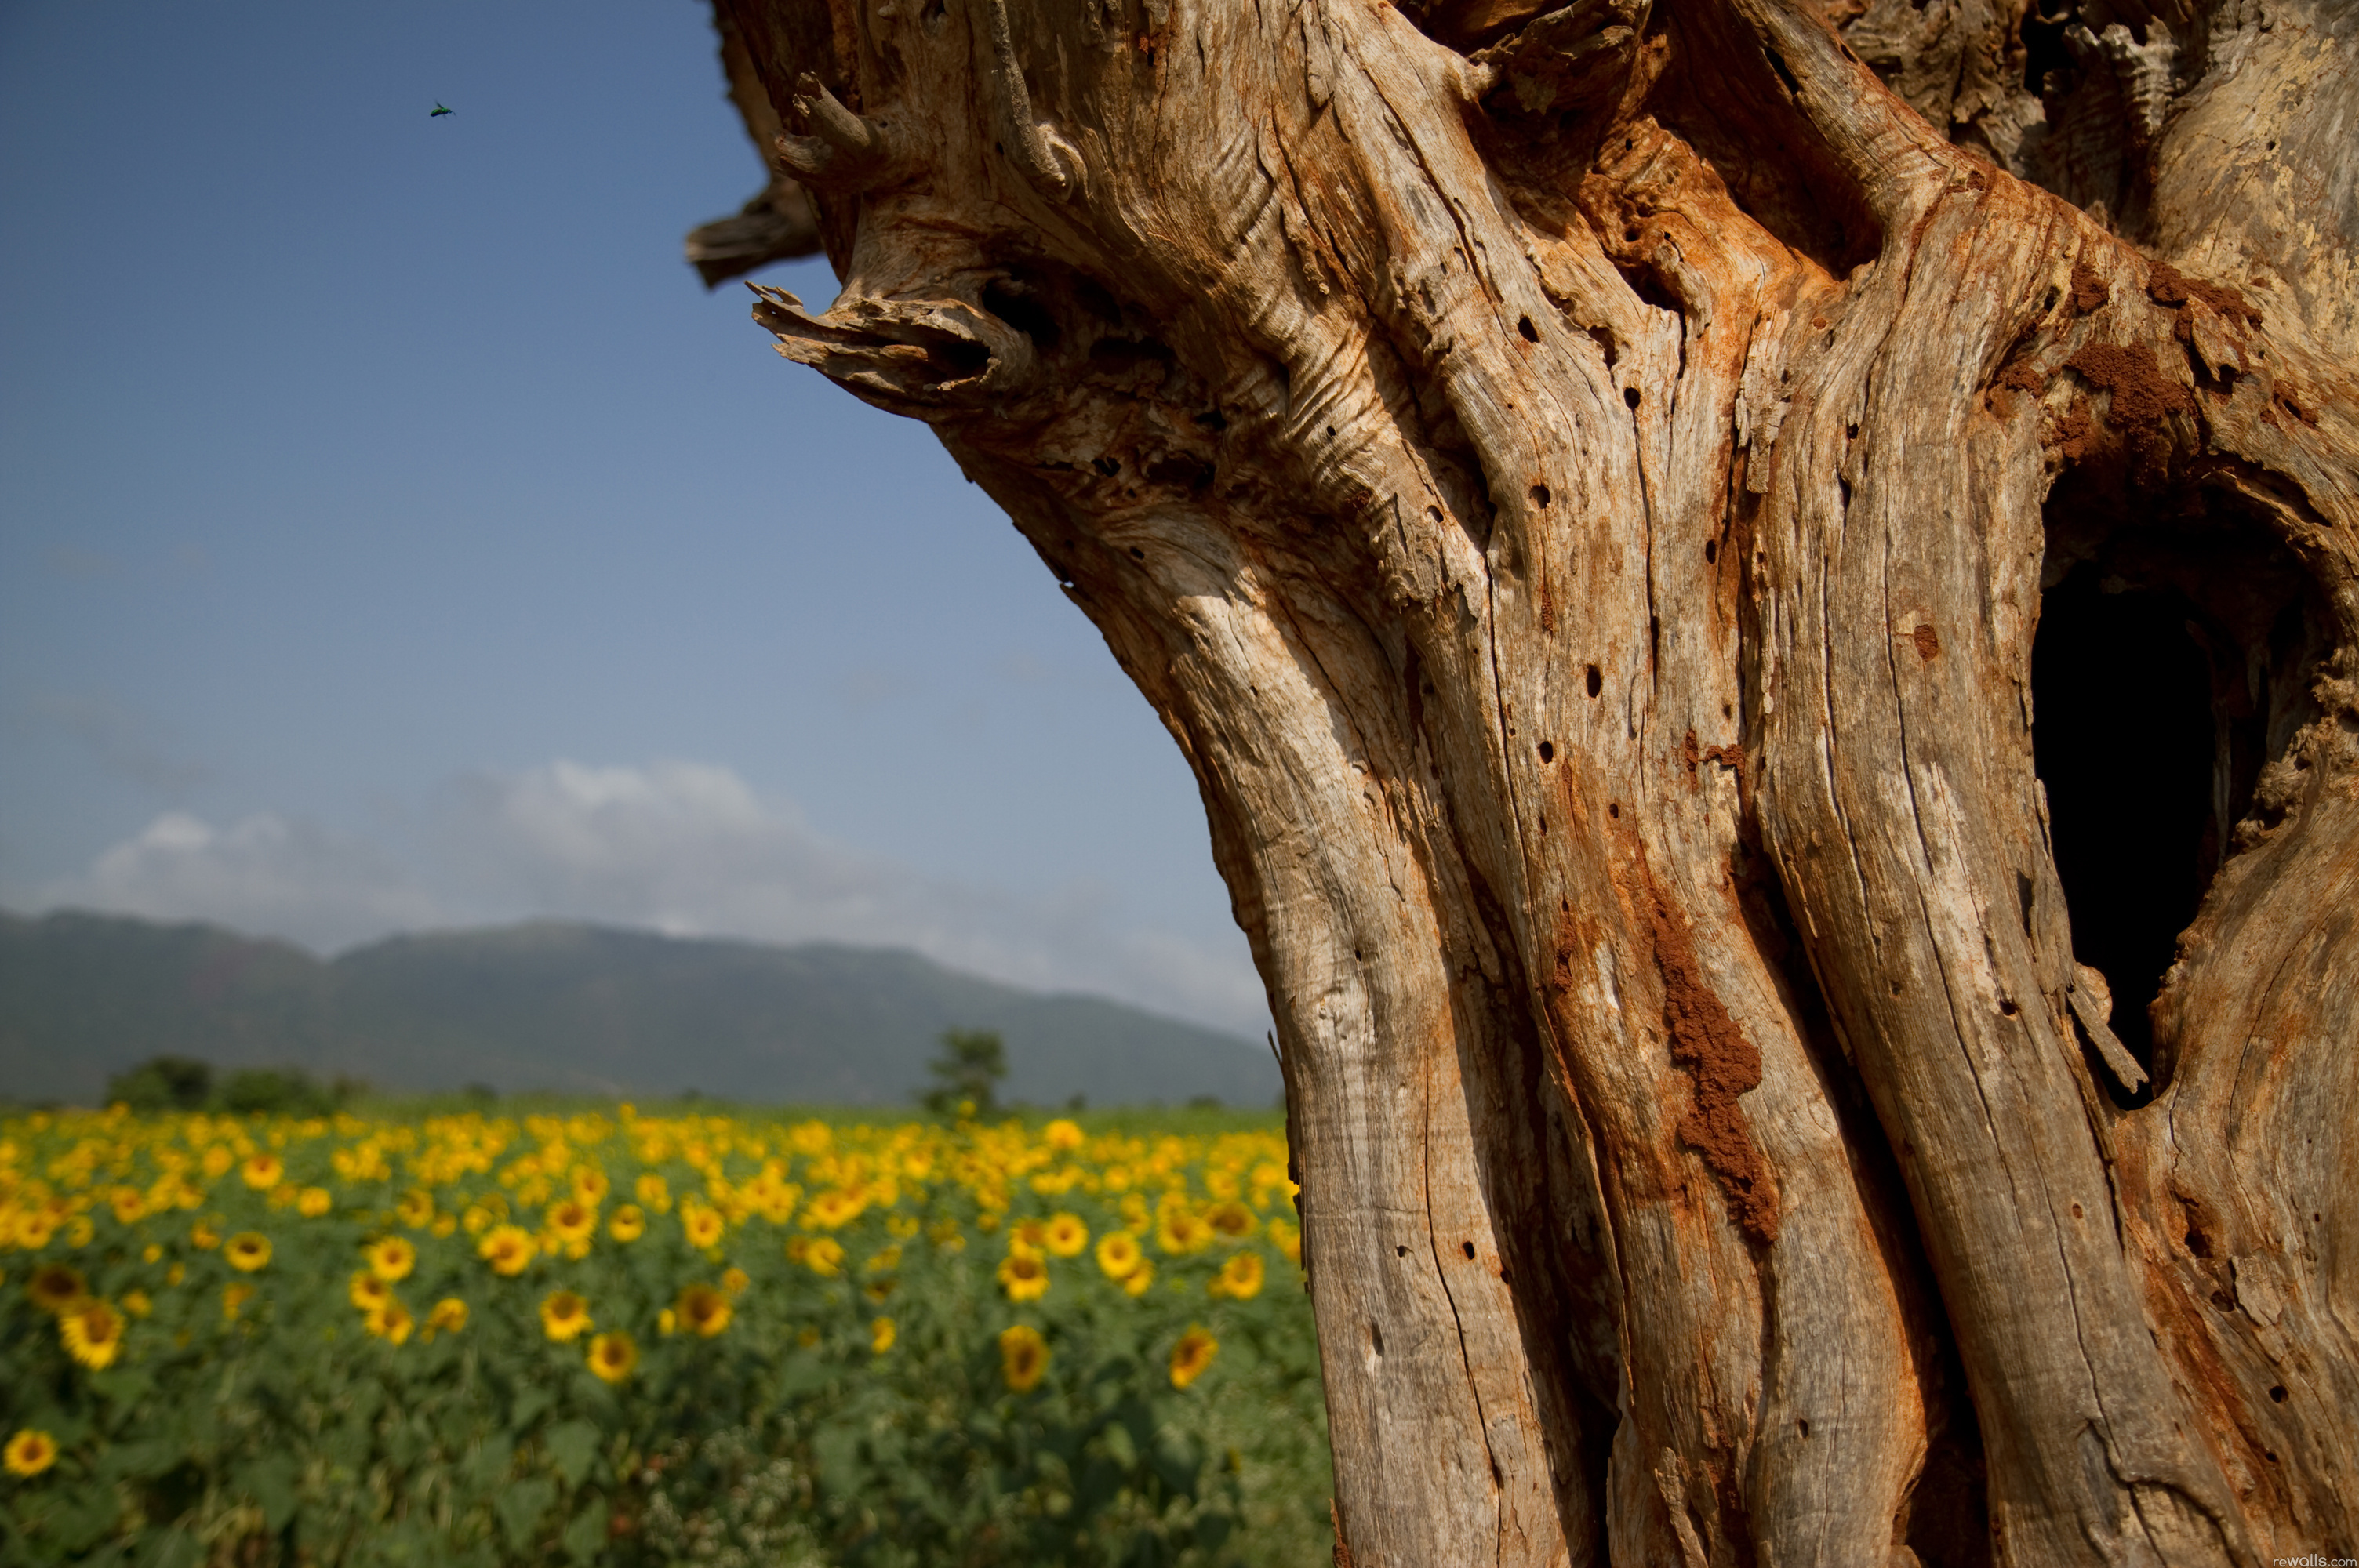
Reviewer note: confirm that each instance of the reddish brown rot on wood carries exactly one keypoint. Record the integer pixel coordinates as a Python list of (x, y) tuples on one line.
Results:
[(1449, 413)]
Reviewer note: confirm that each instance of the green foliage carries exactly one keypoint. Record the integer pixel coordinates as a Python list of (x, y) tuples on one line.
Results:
[(967, 1075), (163, 1083)]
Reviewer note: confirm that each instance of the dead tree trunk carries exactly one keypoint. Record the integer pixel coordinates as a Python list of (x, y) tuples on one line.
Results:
[(1730, 637)]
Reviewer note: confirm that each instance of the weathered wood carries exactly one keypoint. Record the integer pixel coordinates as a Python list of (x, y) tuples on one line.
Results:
[(1579, 487)]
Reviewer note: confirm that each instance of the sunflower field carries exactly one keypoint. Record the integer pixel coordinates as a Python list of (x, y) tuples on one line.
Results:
[(603, 1337)]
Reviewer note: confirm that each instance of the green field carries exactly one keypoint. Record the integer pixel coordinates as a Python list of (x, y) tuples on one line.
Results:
[(434, 1336)]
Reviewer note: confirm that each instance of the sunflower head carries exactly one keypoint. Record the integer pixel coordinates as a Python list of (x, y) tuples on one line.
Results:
[(367, 1291), (93, 1332), (314, 1202), (1024, 1276), (704, 1310), (261, 1172), (572, 1220), (1240, 1278), (1119, 1255), (247, 1250), (612, 1355), (416, 1208), (30, 1453), (630, 1223), (822, 1255), (1134, 1283), (736, 1281), (508, 1249), (1062, 1134), (1065, 1236), (563, 1314), (1181, 1232), (54, 1287), (392, 1259), (1232, 1219), (704, 1227), (449, 1315), (881, 1334), (1191, 1355), (390, 1321), (1023, 1356)]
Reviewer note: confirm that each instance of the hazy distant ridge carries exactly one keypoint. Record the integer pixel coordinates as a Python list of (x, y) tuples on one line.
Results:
[(563, 1006)]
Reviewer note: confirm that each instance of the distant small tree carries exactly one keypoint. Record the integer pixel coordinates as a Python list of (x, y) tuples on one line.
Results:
[(968, 1071), (163, 1083), (279, 1091)]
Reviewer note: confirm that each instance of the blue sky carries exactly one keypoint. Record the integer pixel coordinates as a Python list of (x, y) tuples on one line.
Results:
[(394, 533)]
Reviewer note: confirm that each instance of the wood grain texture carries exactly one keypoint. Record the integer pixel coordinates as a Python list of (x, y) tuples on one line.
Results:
[(1580, 485)]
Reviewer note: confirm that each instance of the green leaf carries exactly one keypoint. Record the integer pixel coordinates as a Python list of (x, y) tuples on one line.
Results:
[(169, 1549), (270, 1482), (529, 1404), (585, 1538), (521, 1507), (139, 1461), (572, 1448)]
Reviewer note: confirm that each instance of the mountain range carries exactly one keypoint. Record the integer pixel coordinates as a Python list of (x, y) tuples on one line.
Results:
[(570, 1008)]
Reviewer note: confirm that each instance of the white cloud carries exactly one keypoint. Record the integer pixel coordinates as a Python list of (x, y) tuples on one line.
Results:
[(685, 848), (264, 874)]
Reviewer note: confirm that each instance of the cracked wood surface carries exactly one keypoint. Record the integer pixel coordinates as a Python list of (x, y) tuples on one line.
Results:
[(1578, 485)]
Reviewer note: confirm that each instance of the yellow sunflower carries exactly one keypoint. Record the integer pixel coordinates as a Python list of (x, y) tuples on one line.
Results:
[(1191, 1355), (822, 1255), (1232, 1219), (449, 1315), (508, 1249), (93, 1332), (1119, 1255), (137, 1303), (390, 1320), (612, 1355), (834, 1209), (1181, 1232), (703, 1226), (572, 1220), (734, 1281), (314, 1202), (247, 1250), (704, 1310), (262, 1172), (1134, 1283), (589, 1185), (1065, 1236), (1287, 1237), (630, 1223), (1062, 1134), (54, 1287), (30, 1453), (881, 1334), (128, 1204), (1024, 1277), (654, 1193), (1023, 1356), (204, 1235), (391, 1259), (564, 1315), (217, 1161), (233, 1299), (366, 1292), (416, 1208), (1240, 1278)]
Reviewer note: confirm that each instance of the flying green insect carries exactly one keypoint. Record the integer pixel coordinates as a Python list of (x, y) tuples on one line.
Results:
[(437, 112)]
